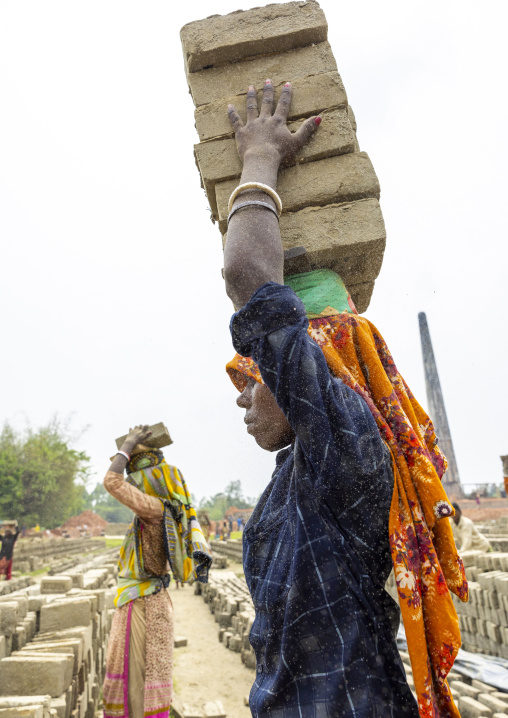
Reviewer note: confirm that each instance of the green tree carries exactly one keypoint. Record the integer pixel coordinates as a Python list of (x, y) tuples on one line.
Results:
[(42, 478), (232, 495), (108, 507)]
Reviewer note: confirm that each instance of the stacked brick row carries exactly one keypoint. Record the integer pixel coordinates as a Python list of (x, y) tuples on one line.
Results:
[(53, 640), (229, 600), (231, 549), (330, 195), (484, 619), (476, 699), (33, 554)]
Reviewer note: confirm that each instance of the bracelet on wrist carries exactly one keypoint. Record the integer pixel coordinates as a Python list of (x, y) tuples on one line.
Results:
[(259, 186), (124, 453)]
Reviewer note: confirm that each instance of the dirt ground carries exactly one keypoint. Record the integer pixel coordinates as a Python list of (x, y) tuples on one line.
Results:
[(205, 670)]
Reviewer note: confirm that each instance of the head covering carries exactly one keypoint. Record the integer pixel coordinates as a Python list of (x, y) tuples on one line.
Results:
[(186, 549), (425, 560)]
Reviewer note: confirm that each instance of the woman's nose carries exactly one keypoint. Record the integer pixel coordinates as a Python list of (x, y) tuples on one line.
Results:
[(242, 400)]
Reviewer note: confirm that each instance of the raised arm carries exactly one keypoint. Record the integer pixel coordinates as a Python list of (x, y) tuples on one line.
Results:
[(253, 254)]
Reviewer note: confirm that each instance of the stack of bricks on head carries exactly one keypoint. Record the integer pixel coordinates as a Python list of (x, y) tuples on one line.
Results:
[(330, 196)]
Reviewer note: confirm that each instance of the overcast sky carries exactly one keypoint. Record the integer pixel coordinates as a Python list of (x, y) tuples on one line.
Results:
[(114, 308)]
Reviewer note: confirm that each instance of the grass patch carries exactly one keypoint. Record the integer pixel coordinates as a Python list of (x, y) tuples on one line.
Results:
[(113, 542), (38, 571)]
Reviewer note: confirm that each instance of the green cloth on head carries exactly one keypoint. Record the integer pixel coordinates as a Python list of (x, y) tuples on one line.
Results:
[(322, 291)]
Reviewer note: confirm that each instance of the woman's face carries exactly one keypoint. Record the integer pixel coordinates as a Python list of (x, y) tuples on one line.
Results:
[(265, 420)]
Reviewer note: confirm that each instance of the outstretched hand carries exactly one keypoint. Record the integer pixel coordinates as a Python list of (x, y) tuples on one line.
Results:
[(266, 134)]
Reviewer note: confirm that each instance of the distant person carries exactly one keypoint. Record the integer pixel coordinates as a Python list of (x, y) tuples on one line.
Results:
[(466, 533), (164, 535), (8, 538)]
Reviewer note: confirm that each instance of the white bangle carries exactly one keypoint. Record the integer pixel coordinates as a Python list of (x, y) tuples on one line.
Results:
[(124, 454), (256, 185)]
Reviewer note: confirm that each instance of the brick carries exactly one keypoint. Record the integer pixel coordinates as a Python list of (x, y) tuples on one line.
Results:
[(348, 238), (84, 633), (502, 696), (22, 602), (463, 689), (74, 645), (218, 160), (34, 676), (60, 706), (66, 614), (36, 710), (352, 117), (35, 603), (309, 98), (8, 617), (339, 179), (19, 701), (56, 584), (484, 687), (222, 39), (234, 78), (492, 702), (361, 295), (214, 709), (180, 641), (160, 437), (470, 708)]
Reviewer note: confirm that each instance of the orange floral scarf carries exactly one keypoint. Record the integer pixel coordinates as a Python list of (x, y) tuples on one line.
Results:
[(425, 560)]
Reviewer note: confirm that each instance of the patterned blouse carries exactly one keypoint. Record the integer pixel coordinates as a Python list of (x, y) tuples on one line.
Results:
[(316, 551), (150, 511)]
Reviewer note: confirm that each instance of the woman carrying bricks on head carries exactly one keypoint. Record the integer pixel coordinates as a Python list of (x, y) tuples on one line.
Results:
[(164, 535), (357, 476)]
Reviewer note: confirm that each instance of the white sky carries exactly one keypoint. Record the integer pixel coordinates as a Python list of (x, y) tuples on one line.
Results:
[(113, 303)]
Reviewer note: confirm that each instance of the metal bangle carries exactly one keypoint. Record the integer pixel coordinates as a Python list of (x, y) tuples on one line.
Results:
[(253, 203)]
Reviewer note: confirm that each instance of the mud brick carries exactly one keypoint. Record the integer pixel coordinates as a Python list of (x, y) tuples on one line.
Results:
[(222, 39), (56, 584), (234, 78), (35, 710), (66, 614), (348, 238), (8, 617), (309, 97), (72, 645), (336, 180), (361, 295), (160, 437), (19, 638), (218, 160), (494, 632), (22, 602), (27, 676), (471, 708), (214, 709), (493, 703)]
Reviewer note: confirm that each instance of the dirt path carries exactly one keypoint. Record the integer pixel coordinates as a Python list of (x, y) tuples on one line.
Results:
[(205, 670)]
